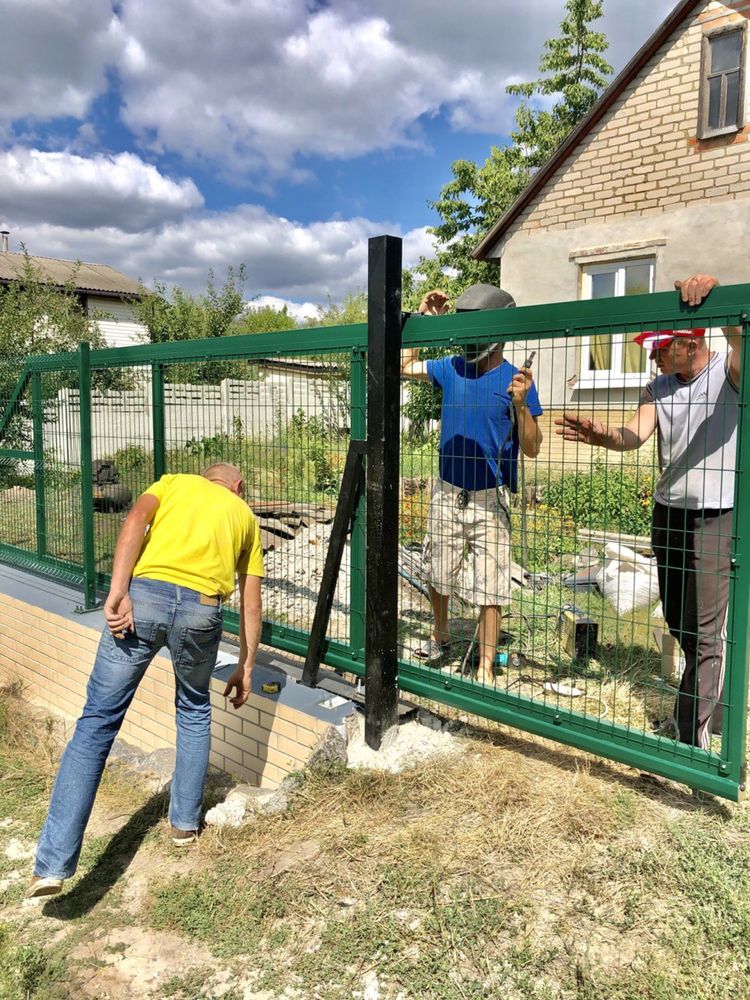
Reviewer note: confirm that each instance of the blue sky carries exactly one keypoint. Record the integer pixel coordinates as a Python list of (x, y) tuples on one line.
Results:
[(168, 137)]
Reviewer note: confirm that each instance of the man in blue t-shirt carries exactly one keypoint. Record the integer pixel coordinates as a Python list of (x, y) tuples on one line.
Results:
[(489, 411)]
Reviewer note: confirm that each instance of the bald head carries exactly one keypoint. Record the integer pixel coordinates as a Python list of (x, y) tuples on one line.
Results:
[(227, 475)]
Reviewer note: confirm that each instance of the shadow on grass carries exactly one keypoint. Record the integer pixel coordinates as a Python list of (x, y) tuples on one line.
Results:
[(568, 759), (111, 863)]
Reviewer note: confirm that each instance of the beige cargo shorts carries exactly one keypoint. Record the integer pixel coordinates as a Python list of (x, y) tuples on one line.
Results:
[(467, 549)]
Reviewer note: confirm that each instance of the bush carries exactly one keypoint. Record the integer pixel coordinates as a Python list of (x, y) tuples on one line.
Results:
[(606, 498)]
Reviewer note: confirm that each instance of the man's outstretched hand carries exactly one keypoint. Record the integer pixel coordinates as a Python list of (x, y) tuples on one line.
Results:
[(695, 289), (582, 430)]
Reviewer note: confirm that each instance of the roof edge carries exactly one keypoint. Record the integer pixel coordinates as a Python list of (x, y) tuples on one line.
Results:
[(597, 112)]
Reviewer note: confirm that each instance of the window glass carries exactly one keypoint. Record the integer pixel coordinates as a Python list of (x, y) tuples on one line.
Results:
[(725, 51), (603, 285), (638, 279), (733, 99), (714, 102)]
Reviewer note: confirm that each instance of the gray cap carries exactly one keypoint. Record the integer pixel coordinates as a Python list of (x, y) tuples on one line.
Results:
[(484, 296)]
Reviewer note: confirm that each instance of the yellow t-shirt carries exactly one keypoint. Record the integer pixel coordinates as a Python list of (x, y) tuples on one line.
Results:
[(201, 536)]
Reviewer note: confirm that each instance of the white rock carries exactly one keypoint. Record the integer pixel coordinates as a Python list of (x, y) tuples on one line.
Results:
[(229, 813), (372, 987)]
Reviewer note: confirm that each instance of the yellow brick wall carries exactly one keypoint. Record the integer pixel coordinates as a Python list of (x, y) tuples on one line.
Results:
[(644, 156), (52, 657)]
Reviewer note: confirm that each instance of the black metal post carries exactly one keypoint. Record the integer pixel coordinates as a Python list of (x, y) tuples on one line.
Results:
[(348, 497), (383, 420)]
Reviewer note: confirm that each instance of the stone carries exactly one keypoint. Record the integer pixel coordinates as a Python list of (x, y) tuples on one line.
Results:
[(273, 803), (232, 813), (330, 749)]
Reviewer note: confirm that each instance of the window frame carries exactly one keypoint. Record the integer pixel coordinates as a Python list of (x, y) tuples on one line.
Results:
[(704, 102), (614, 377)]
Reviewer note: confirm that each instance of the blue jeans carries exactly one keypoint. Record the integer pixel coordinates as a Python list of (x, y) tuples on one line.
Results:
[(164, 615)]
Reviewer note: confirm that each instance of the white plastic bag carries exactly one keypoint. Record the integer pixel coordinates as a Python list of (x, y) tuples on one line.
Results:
[(627, 580)]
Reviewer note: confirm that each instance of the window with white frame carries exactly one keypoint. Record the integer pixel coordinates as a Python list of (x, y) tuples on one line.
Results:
[(615, 359)]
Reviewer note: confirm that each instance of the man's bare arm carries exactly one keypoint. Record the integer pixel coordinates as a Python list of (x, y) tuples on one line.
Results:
[(118, 608), (693, 291), (586, 431), (251, 619), (434, 303), (412, 366)]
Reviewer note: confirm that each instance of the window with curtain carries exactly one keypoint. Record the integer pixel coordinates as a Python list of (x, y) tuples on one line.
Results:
[(722, 82), (615, 359)]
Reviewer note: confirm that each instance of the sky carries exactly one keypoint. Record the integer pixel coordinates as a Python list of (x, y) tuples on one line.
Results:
[(170, 137)]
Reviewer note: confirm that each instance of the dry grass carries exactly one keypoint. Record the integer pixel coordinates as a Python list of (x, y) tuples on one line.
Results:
[(514, 868)]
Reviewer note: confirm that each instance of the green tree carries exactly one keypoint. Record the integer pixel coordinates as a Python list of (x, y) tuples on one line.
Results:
[(574, 72), (179, 315), (352, 310), (262, 319), (39, 318), (36, 318)]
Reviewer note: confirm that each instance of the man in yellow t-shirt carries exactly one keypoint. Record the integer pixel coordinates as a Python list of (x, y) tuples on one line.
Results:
[(177, 556)]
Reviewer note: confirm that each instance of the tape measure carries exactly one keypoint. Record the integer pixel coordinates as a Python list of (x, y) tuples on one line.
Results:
[(271, 687)]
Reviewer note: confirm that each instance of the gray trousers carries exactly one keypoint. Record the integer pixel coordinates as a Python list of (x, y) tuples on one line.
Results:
[(693, 550)]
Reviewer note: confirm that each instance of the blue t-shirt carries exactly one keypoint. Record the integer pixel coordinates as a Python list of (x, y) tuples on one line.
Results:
[(475, 423)]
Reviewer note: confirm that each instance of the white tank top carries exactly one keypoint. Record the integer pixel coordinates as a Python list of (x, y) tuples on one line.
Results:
[(697, 428)]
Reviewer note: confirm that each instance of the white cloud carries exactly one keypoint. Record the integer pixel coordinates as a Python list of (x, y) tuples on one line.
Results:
[(253, 86), (54, 56), (286, 259), (301, 311), (120, 191)]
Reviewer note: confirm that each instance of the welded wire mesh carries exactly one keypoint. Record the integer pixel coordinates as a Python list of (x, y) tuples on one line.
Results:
[(588, 581)]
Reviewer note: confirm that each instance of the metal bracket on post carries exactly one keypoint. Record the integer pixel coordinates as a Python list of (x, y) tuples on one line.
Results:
[(383, 429), (90, 602), (348, 498)]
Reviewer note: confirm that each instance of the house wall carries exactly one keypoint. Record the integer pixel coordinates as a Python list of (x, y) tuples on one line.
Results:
[(118, 324), (639, 184)]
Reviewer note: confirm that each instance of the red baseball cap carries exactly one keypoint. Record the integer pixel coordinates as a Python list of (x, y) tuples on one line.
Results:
[(652, 340)]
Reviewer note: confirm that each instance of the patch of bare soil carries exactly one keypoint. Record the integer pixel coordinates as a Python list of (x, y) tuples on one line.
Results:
[(134, 961)]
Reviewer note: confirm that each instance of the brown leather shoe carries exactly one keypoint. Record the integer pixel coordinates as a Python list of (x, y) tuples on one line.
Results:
[(183, 838), (42, 885)]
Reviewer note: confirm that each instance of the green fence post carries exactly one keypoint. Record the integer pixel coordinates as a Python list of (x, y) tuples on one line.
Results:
[(359, 528), (87, 480), (37, 417), (157, 405), (734, 737)]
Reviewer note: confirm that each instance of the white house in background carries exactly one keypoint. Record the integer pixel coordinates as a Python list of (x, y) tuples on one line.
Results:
[(104, 293), (653, 185)]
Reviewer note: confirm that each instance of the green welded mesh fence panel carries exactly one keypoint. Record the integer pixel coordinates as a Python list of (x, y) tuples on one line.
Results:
[(582, 655), (578, 592)]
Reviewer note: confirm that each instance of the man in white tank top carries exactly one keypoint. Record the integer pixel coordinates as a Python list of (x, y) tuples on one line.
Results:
[(692, 404)]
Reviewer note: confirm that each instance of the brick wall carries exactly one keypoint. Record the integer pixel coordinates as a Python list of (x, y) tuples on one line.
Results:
[(52, 657), (644, 157)]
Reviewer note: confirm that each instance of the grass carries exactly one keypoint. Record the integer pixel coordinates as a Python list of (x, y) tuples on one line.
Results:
[(514, 868)]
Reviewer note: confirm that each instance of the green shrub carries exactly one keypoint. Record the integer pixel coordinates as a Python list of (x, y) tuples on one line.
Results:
[(605, 498)]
